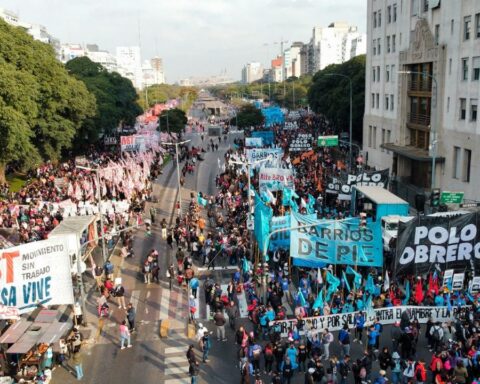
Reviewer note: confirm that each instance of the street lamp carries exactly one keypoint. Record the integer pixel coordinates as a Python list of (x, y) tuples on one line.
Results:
[(176, 144), (350, 120), (433, 129)]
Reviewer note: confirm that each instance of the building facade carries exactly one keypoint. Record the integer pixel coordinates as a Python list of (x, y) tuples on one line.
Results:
[(130, 64), (252, 72), (421, 94)]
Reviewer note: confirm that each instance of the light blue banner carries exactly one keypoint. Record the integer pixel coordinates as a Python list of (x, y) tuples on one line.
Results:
[(273, 115), (267, 136), (263, 215), (338, 242), (282, 239)]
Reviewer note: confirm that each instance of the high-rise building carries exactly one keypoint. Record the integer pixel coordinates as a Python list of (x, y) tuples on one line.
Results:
[(421, 94), (332, 45), (252, 72), (129, 64), (158, 72)]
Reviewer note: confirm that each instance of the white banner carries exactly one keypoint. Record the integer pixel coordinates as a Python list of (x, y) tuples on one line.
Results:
[(253, 142), (275, 179), (256, 154), (387, 316), (36, 274)]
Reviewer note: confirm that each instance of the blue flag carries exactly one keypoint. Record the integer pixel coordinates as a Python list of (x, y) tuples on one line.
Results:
[(301, 298), (345, 280), (358, 277), (318, 301), (407, 293), (311, 204), (201, 201), (286, 197), (369, 286), (334, 283), (294, 205)]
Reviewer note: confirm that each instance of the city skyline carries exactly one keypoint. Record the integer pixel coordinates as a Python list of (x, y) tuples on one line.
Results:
[(198, 37)]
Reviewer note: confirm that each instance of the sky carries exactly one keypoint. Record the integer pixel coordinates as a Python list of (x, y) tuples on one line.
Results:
[(194, 37)]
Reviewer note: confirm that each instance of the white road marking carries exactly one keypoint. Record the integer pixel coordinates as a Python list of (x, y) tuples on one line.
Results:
[(175, 370), (229, 267), (172, 350), (242, 304), (135, 297), (176, 359), (186, 380), (164, 304)]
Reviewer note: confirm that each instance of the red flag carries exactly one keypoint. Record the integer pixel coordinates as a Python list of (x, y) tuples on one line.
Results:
[(419, 291)]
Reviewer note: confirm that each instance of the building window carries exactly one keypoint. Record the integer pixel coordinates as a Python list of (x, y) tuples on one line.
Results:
[(388, 44), (456, 163), (394, 74), (374, 19), (391, 102), (378, 100), (374, 47), (387, 73), (389, 135), (425, 5), (370, 136), (393, 44), (473, 109), (389, 14), (379, 46), (477, 25), (374, 141), (386, 103), (465, 68), (450, 66), (448, 104), (414, 7), (467, 162), (437, 33), (374, 72), (379, 23), (467, 21), (378, 73), (476, 68), (383, 139), (452, 24), (463, 109), (394, 13), (373, 100)]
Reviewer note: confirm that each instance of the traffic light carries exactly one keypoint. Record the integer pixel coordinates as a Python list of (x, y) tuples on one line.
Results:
[(435, 197)]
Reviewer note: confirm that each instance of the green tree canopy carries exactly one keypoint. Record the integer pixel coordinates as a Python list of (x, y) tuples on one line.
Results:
[(248, 116), (116, 100), (172, 120), (329, 94), (41, 106), (160, 93)]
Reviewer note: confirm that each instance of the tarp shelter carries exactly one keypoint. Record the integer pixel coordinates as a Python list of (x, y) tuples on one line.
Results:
[(77, 230)]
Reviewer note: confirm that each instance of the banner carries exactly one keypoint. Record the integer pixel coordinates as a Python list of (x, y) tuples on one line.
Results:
[(110, 140), (275, 179), (267, 136), (256, 154), (273, 115), (302, 142), (343, 186), (335, 242), (262, 217), (438, 243), (282, 239), (254, 142), (127, 143), (36, 274), (389, 315)]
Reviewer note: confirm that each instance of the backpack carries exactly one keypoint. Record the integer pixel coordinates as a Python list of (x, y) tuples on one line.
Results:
[(436, 334)]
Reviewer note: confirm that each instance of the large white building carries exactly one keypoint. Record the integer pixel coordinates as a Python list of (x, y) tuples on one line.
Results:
[(413, 119), (252, 72), (333, 45), (129, 64)]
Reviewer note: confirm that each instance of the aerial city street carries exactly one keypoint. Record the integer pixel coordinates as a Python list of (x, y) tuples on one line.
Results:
[(171, 212)]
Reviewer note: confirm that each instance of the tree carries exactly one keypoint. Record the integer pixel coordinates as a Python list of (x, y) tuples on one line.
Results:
[(248, 116), (41, 106), (116, 100), (161, 93), (172, 120), (329, 95)]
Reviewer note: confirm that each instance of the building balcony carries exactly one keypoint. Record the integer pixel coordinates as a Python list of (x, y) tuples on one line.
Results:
[(418, 120), (423, 86)]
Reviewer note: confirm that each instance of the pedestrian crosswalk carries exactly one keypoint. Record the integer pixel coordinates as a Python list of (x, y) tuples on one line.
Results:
[(175, 362)]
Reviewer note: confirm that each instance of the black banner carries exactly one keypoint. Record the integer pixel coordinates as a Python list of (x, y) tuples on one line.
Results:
[(343, 185), (438, 243)]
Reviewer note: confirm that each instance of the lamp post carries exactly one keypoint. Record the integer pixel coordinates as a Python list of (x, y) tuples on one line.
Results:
[(433, 129), (176, 144), (351, 106)]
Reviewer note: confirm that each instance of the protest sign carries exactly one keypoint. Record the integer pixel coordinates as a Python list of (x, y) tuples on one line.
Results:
[(275, 179), (428, 243), (36, 274), (475, 285), (343, 185), (127, 143), (257, 154), (110, 140), (302, 142), (254, 142), (335, 242), (457, 283), (267, 136), (389, 315), (282, 239)]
